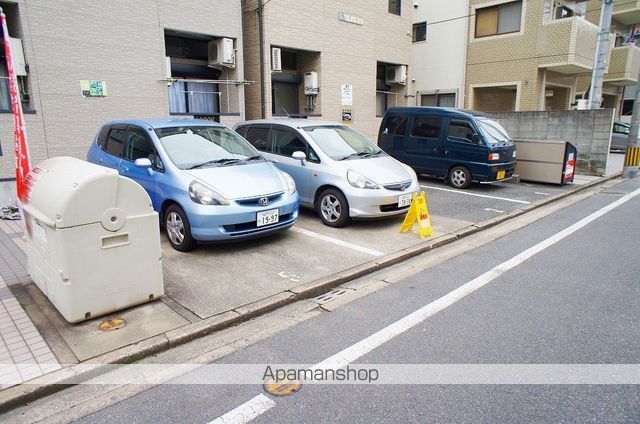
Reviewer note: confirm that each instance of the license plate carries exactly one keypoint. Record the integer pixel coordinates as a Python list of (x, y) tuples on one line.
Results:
[(404, 200), (267, 217), (500, 175)]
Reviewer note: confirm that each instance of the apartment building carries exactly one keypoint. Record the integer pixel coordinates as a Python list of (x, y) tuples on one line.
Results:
[(624, 64), (83, 63), (526, 55), (438, 52), (343, 61)]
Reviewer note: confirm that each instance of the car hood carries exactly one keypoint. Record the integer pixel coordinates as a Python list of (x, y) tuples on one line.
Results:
[(382, 170), (241, 181)]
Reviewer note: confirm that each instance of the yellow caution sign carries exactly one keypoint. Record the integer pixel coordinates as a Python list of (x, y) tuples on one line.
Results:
[(418, 211)]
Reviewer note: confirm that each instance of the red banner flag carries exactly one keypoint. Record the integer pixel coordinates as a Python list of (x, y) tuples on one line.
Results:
[(23, 164)]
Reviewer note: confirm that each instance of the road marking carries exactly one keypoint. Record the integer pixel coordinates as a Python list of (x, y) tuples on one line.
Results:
[(247, 411), (338, 242), (524, 202), (493, 210), (388, 333), (542, 194)]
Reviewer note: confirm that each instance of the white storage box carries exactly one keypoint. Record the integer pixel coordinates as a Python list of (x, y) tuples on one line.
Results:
[(92, 239)]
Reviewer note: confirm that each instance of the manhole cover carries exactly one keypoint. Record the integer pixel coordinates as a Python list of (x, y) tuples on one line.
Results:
[(282, 388), (112, 324)]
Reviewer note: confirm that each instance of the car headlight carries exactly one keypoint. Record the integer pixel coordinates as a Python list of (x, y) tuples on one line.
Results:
[(204, 195), (360, 181), (291, 185)]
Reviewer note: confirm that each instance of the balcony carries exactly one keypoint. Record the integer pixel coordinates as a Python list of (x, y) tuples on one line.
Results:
[(623, 66), (627, 12), (567, 45)]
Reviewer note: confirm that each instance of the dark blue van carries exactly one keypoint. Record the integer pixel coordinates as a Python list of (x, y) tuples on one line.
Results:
[(459, 146)]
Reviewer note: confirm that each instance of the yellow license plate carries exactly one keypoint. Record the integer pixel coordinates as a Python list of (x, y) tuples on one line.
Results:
[(500, 175)]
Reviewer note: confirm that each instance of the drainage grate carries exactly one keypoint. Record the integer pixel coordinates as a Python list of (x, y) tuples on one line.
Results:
[(327, 297)]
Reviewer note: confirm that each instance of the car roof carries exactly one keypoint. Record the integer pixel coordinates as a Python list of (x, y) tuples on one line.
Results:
[(293, 122), (443, 111), (165, 122)]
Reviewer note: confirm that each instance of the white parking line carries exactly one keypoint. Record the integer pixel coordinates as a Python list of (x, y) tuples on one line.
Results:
[(524, 202), (361, 348), (338, 242)]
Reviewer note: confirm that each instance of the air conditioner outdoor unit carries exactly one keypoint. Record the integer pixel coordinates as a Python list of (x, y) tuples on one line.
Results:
[(221, 53), (396, 74), (276, 59)]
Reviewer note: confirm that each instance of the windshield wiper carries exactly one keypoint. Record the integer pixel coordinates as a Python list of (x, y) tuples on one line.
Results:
[(361, 155), (256, 157), (223, 162)]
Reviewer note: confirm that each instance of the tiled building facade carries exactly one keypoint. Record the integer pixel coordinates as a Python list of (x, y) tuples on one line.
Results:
[(347, 43), (540, 53), (125, 46)]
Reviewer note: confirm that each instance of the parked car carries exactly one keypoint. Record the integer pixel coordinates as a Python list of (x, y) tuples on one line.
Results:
[(338, 171), (620, 136), (206, 182), (459, 146)]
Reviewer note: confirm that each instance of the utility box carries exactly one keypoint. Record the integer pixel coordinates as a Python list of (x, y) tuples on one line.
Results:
[(311, 83), (92, 238), (546, 161)]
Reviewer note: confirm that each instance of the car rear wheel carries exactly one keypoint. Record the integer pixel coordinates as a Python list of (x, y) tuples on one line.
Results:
[(178, 229), (460, 177), (333, 208)]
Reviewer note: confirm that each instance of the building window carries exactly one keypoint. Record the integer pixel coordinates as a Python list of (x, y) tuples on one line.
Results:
[(501, 19), (419, 32), (439, 100), (14, 27), (189, 61), (563, 12), (395, 6)]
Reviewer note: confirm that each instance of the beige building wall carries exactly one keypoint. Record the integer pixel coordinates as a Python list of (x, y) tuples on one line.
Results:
[(347, 52), (121, 43), (542, 61)]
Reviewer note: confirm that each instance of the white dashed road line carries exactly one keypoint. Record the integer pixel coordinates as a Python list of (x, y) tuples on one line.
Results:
[(338, 242), (524, 202)]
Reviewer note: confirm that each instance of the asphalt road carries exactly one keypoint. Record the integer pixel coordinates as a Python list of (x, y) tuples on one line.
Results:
[(569, 297)]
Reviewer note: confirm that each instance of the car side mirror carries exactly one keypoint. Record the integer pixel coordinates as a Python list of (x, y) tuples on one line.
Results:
[(301, 156), (144, 163)]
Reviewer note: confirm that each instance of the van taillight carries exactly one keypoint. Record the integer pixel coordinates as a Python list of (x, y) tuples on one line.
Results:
[(494, 156)]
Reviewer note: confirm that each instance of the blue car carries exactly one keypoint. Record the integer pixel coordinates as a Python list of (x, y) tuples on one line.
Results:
[(206, 182)]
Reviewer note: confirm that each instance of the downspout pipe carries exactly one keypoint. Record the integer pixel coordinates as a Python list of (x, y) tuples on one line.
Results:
[(261, 41)]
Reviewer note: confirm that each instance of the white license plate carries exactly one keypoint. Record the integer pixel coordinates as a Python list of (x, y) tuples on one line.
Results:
[(267, 217), (404, 200)]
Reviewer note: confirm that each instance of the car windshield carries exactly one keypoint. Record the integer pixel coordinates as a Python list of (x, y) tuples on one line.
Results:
[(493, 131), (342, 143), (191, 147)]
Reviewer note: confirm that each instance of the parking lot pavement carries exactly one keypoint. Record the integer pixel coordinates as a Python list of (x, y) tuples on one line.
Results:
[(215, 279)]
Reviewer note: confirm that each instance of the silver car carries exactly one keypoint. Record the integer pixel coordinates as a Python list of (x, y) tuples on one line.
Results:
[(338, 171)]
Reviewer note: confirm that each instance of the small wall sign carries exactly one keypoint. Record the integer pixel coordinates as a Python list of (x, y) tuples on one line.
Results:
[(93, 88)]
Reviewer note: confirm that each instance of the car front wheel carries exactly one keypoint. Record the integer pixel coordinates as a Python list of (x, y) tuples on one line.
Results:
[(178, 229), (460, 177), (333, 208)]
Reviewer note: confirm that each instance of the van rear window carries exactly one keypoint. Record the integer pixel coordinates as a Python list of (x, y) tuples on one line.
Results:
[(395, 125), (426, 127)]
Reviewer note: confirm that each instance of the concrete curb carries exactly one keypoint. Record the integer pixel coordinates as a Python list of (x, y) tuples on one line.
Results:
[(16, 396)]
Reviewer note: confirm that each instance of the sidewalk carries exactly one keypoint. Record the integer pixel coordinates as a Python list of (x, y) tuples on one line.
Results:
[(28, 343), (24, 354)]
